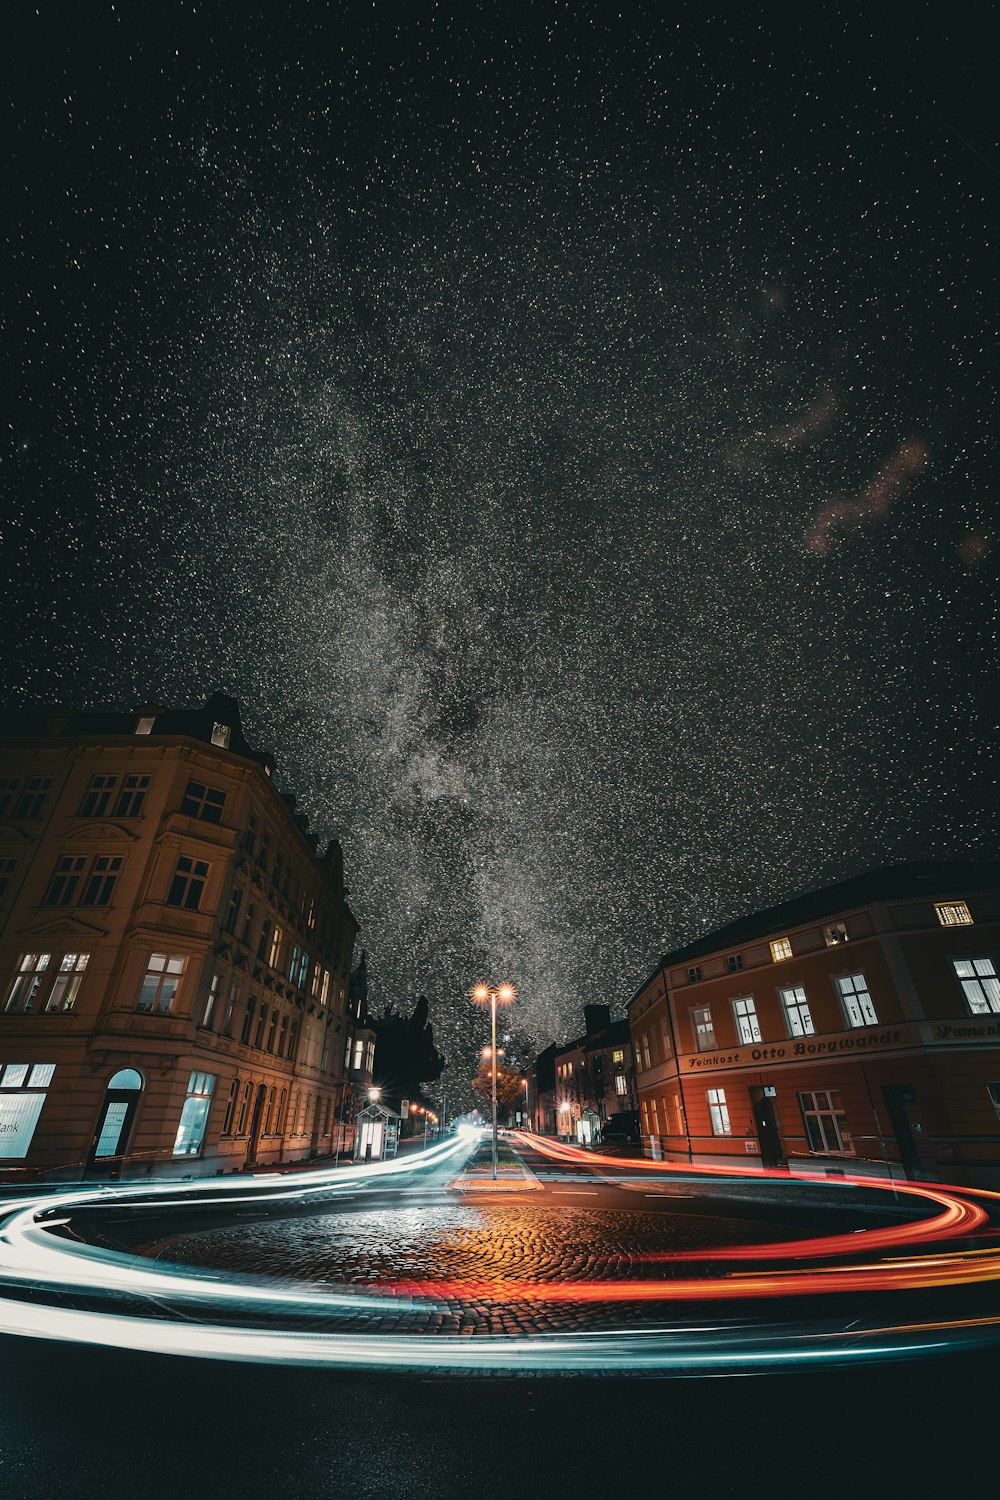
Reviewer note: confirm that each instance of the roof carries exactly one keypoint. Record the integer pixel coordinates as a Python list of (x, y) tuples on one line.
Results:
[(930, 881)]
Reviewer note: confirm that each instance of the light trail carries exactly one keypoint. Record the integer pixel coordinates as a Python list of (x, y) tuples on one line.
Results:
[(38, 1264)]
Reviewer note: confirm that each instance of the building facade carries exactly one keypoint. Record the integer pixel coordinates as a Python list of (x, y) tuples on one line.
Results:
[(592, 1080), (856, 1028), (174, 952)]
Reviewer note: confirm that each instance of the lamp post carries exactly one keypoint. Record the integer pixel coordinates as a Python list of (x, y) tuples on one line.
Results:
[(483, 995)]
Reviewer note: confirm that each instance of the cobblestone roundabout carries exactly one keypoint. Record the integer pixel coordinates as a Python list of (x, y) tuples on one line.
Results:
[(495, 1243)]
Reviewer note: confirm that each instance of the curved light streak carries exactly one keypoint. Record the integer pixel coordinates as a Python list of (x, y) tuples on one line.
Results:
[(37, 1263)]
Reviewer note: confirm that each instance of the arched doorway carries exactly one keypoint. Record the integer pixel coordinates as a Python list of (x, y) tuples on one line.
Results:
[(110, 1142)]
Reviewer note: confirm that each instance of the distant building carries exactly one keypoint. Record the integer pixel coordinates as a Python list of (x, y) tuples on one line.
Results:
[(853, 1028), (574, 1090), (174, 952), (540, 1092)]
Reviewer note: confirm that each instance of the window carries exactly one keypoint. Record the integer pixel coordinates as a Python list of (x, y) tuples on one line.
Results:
[(194, 1115), (718, 1111), (274, 952), (248, 916), (834, 934), (233, 910), (7, 868), (98, 796), (798, 1016), (618, 1057), (163, 975), (781, 948), (144, 725), (231, 1102), (99, 889), (747, 1026), (954, 914), (250, 836), (21, 1100), (621, 1084), (858, 1004), (32, 799), (980, 985), (258, 1036), (8, 789), (272, 1032), (268, 1114), (823, 1119), (226, 1029), (298, 970), (244, 1108), (704, 1031), (200, 801), (188, 883), (210, 999), (734, 963), (694, 974), (283, 1037), (63, 885), (131, 797), (221, 735), (69, 977), (32, 973)]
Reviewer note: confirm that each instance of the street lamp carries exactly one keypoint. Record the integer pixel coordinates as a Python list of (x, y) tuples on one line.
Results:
[(504, 995)]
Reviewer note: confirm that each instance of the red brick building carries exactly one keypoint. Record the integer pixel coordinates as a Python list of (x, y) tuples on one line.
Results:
[(174, 951), (852, 1028)]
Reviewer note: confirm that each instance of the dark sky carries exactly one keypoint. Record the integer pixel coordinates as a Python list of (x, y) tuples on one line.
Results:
[(566, 427)]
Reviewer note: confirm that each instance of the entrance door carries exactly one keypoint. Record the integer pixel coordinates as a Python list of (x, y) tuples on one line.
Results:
[(899, 1101), (110, 1141), (765, 1120)]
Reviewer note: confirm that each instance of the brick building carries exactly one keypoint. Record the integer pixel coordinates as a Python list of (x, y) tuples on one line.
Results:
[(574, 1090), (855, 1027), (174, 952)]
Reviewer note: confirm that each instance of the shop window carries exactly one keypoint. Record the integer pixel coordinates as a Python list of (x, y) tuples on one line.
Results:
[(718, 1111), (22, 1095), (194, 1115), (980, 984)]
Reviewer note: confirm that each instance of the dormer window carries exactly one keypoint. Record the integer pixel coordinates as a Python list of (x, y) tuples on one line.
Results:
[(221, 735), (954, 914), (144, 724)]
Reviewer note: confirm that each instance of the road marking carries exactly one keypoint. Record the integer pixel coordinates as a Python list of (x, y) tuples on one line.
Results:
[(666, 1193), (585, 1192)]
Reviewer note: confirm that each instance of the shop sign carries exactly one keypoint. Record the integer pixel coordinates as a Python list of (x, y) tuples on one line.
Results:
[(18, 1118), (798, 1049)]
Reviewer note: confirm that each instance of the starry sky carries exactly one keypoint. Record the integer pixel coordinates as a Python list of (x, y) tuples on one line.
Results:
[(566, 427)]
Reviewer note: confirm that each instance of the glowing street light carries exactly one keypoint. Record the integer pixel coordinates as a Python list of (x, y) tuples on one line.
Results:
[(504, 995)]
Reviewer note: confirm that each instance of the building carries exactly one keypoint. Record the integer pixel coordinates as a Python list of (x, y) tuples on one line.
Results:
[(852, 1028), (174, 952), (593, 1078), (540, 1092)]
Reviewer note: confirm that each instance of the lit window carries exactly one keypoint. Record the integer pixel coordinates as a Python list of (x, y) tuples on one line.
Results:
[(980, 984), (32, 973), (69, 977), (7, 868), (718, 1111), (194, 1115), (734, 963), (145, 723), (99, 889), (21, 1101), (32, 799), (163, 974), (221, 735), (824, 1120), (858, 1004), (131, 797), (63, 885), (747, 1025), (694, 974), (621, 1084), (781, 948), (954, 914), (200, 801), (835, 934), (618, 1057), (188, 883), (210, 1000), (797, 1013), (98, 797), (704, 1031), (277, 937)]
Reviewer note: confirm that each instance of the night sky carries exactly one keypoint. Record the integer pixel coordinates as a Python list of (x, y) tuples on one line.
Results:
[(567, 428)]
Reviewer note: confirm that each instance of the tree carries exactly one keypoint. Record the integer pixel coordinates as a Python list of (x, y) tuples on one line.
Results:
[(508, 1087)]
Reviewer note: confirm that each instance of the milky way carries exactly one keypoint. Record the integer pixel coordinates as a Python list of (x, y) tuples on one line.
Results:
[(466, 393)]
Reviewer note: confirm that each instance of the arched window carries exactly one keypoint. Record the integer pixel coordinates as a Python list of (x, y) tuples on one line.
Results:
[(234, 1094), (241, 1128), (258, 1035), (272, 1031), (125, 1078), (269, 1114), (281, 1112)]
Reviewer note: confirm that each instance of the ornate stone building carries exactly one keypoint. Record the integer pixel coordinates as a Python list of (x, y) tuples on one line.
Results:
[(174, 951)]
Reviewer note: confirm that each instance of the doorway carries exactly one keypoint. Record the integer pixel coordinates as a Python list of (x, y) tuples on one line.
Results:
[(765, 1119), (110, 1141)]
